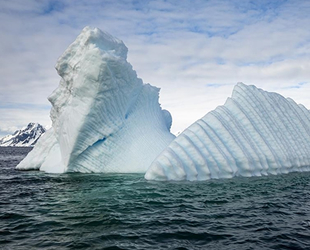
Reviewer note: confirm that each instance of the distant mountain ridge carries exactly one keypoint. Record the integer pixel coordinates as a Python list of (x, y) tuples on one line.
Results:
[(25, 137)]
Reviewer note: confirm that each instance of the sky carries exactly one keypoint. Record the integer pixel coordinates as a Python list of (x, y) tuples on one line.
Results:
[(195, 51)]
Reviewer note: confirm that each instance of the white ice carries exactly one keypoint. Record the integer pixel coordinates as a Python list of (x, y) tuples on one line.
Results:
[(104, 119), (254, 133)]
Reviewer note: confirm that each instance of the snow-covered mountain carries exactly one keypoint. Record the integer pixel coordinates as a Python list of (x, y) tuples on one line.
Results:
[(25, 137)]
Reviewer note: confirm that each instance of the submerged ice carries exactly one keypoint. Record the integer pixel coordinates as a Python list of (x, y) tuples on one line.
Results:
[(104, 119), (254, 133)]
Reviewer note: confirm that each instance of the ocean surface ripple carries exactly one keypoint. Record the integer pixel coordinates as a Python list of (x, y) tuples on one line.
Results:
[(100, 211)]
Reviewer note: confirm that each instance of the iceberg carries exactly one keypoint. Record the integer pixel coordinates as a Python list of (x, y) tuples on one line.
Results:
[(254, 133), (104, 118)]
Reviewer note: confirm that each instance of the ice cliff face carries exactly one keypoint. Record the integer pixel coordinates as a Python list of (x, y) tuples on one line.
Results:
[(25, 137), (254, 133), (104, 118)]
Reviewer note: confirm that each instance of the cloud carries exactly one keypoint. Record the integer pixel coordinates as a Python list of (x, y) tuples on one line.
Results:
[(195, 51)]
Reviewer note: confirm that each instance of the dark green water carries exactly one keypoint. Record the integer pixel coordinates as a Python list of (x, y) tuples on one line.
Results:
[(97, 211)]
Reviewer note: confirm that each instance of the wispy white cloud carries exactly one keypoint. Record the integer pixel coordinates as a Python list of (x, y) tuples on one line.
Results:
[(195, 51)]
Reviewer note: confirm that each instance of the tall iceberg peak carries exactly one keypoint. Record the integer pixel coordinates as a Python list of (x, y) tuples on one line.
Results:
[(104, 119), (254, 133)]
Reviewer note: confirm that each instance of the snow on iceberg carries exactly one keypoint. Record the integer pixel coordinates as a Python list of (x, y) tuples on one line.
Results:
[(104, 119), (254, 133)]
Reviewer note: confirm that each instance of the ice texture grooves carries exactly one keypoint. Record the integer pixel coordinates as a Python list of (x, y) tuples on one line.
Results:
[(254, 133), (104, 118)]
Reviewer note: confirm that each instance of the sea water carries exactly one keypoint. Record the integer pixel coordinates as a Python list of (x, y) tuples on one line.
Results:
[(122, 211)]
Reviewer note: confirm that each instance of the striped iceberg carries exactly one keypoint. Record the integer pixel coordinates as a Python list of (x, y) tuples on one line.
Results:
[(254, 133)]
